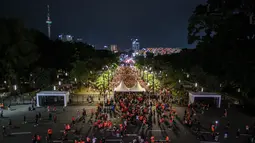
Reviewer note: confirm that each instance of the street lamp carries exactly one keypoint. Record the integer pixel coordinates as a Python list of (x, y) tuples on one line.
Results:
[(15, 87), (59, 83), (153, 74), (54, 87), (195, 84), (239, 90), (104, 92)]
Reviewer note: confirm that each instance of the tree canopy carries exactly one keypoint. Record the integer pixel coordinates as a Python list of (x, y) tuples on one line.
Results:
[(25, 52), (223, 32)]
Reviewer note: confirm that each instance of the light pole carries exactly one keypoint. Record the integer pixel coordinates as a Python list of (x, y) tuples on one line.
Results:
[(108, 77), (147, 77), (104, 93), (15, 87), (153, 74)]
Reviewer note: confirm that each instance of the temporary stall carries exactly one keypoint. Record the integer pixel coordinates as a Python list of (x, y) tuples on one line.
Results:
[(64, 94), (193, 95), (137, 88), (121, 87)]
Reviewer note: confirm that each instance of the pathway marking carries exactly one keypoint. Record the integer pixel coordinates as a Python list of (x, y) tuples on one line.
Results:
[(245, 134), (114, 140), (20, 133), (61, 141), (156, 130), (67, 131), (131, 135), (209, 142)]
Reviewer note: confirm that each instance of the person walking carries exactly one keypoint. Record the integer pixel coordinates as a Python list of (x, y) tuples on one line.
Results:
[(24, 119), (49, 133)]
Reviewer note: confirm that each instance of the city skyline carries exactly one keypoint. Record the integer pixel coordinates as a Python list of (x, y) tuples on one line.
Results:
[(158, 24)]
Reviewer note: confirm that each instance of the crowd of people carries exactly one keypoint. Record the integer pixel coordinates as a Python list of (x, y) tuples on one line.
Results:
[(134, 109), (146, 112)]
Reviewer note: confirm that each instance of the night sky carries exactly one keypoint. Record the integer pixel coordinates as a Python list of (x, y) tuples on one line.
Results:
[(156, 23)]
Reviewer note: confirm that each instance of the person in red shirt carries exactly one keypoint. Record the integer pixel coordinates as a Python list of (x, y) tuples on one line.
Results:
[(38, 139)]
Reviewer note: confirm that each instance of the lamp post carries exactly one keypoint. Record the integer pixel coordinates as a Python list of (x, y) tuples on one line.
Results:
[(108, 86), (15, 87), (104, 88), (153, 80), (147, 77), (103, 93)]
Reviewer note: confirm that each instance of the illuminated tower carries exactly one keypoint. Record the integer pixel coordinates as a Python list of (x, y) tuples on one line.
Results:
[(48, 21), (135, 45)]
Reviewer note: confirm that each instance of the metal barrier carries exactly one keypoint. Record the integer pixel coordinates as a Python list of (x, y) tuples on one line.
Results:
[(83, 98)]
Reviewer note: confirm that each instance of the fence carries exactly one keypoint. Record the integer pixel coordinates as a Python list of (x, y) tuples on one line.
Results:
[(83, 98), (16, 100)]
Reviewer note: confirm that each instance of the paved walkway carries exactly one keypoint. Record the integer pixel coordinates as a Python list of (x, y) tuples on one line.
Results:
[(236, 118)]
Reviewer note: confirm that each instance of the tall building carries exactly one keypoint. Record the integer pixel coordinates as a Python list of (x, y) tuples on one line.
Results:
[(135, 45), (49, 22), (65, 38), (79, 40), (114, 48)]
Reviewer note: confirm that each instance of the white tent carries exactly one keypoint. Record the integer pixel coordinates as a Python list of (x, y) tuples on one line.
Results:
[(137, 88), (121, 87), (193, 95), (65, 94)]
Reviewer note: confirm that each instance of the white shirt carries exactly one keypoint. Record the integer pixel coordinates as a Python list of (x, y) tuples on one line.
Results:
[(94, 140)]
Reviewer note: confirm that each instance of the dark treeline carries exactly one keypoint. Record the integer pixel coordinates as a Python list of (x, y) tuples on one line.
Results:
[(27, 55), (223, 60)]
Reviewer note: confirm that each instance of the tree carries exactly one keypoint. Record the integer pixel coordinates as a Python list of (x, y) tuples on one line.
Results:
[(42, 78), (222, 29), (17, 51), (80, 71)]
